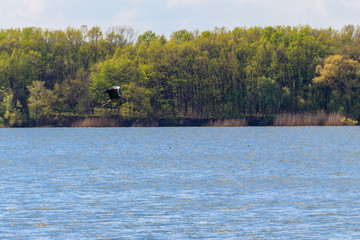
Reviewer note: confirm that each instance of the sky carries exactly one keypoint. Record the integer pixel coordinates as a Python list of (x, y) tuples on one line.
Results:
[(167, 16)]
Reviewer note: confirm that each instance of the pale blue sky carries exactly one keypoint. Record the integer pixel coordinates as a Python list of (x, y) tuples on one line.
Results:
[(167, 16)]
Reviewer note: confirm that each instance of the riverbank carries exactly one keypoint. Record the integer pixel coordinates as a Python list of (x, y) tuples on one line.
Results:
[(286, 119)]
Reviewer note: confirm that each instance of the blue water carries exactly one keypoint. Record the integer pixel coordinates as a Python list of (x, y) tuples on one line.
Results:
[(180, 183)]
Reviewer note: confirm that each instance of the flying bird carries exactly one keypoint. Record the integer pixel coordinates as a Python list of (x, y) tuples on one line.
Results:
[(114, 94)]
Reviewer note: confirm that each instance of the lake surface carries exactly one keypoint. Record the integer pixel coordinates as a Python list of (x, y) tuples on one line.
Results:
[(180, 183)]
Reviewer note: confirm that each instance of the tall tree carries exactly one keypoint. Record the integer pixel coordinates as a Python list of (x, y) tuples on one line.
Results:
[(342, 77)]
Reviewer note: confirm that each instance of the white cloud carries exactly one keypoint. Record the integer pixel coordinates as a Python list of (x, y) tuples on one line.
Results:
[(26, 8), (126, 16), (184, 3), (132, 18), (166, 16), (203, 3), (351, 3), (318, 7)]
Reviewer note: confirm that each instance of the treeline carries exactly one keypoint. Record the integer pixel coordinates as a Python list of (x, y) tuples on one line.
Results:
[(211, 74)]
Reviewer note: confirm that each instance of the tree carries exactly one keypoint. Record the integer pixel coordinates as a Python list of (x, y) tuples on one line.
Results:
[(73, 95), (16, 73), (11, 113), (182, 36), (269, 94), (146, 37), (116, 71), (342, 77), (120, 36), (138, 103), (39, 101)]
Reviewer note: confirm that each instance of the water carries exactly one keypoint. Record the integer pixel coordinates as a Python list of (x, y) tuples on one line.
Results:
[(180, 183)]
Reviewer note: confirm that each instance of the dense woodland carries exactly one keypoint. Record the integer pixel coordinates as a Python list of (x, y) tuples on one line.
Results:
[(211, 74)]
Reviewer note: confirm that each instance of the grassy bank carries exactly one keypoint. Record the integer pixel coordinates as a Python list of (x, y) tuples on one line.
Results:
[(285, 119), (95, 122), (312, 119), (241, 122)]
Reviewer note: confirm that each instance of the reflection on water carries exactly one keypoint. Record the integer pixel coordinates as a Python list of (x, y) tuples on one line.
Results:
[(180, 183)]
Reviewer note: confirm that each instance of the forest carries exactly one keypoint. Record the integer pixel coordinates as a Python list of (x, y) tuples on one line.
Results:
[(217, 74)]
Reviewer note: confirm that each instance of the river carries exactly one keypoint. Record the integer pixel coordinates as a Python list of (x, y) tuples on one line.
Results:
[(180, 183)]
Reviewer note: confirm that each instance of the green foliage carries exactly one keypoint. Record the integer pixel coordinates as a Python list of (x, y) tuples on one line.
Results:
[(146, 37), (39, 101), (182, 36), (13, 115), (342, 77), (269, 94), (138, 101), (217, 73)]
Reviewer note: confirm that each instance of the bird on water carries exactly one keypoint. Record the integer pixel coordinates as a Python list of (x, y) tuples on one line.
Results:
[(114, 94)]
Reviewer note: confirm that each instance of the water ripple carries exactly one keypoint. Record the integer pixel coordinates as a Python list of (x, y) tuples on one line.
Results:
[(180, 183)]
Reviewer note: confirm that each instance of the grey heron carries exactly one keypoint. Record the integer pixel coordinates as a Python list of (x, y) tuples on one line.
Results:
[(114, 94)]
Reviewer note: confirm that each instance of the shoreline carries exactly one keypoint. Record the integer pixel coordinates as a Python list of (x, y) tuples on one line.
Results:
[(303, 119)]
